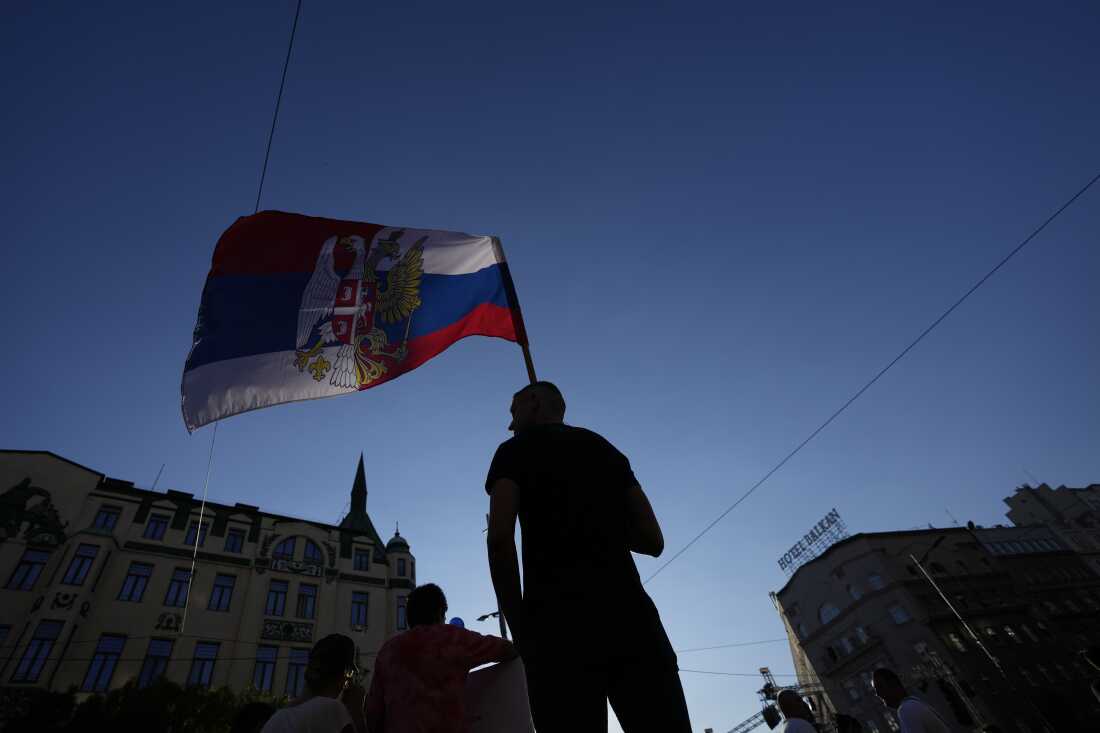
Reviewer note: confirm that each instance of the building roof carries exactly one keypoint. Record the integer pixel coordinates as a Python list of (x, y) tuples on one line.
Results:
[(397, 543), (868, 536)]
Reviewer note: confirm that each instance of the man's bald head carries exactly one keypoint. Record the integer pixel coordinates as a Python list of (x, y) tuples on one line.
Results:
[(540, 403), (793, 706)]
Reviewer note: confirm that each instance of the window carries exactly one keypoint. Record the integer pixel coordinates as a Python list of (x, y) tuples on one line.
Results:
[(362, 559), (155, 527), (107, 518), (222, 592), (194, 527), (265, 667), (991, 633), (871, 727), (1011, 634), (1071, 605), (401, 567), (1045, 672), (802, 631), (359, 606), (1029, 633), (862, 635), (137, 577), (295, 671), (307, 601), (846, 645), (39, 647), (156, 660), (827, 612), (899, 614), (234, 540), (956, 642), (102, 667), (1027, 676), (312, 553), (276, 598), (852, 689), (402, 621), (1063, 671), (80, 564), (285, 549), (875, 581), (855, 592), (27, 571), (891, 723), (202, 666), (177, 588)]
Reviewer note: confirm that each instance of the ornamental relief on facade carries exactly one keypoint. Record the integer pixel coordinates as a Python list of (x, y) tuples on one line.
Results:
[(287, 631)]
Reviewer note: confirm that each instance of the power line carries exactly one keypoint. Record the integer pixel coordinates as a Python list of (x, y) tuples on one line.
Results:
[(278, 102), (729, 646), (737, 674), (881, 372)]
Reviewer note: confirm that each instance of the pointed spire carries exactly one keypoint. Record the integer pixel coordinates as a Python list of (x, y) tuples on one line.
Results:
[(359, 490)]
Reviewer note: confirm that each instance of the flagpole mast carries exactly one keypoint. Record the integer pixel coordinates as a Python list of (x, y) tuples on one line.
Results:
[(530, 364), (517, 313)]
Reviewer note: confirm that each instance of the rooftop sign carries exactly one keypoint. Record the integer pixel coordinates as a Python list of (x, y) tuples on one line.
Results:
[(830, 530)]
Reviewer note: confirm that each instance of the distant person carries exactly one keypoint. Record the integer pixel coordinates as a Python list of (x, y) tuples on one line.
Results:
[(419, 679), (914, 716), (252, 717), (796, 713), (586, 629), (333, 701)]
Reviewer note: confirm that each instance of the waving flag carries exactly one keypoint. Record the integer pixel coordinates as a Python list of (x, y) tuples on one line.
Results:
[(298, 307)]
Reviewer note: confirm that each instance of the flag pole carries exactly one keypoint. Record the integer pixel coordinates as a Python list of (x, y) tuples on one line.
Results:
[(517, 313)]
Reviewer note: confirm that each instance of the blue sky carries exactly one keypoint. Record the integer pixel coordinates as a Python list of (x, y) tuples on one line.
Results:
[(721, 219)]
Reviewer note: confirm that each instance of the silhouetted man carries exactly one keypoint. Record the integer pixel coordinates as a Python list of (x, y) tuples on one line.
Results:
[(586, 630), (914, 716), (419, 681), (798, 718)]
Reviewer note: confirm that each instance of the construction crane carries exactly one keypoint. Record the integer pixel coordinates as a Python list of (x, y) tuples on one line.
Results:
[(768, 693)]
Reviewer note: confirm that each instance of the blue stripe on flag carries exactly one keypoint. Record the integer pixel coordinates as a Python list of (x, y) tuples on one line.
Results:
[(245, 315)]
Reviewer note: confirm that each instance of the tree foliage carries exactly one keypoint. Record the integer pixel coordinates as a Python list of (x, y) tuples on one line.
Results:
[(163, 706)]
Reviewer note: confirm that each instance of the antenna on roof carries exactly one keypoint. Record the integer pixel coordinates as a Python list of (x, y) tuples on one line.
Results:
[(953, 520)]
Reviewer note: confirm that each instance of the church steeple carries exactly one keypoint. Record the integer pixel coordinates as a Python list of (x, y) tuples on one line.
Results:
[(359, 490)]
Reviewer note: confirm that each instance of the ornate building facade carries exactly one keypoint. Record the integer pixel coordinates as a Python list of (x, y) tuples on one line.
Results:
[(98, 587), (867, 603)]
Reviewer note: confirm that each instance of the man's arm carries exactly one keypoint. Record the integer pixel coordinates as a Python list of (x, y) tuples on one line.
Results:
[(642, 530), (503, 560)]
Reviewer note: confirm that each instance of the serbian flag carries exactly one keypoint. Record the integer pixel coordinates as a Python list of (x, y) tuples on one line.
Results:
[(297, 307)]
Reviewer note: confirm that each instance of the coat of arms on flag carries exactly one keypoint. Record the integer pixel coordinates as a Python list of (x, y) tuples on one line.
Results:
[(298, 307), (343, 307)]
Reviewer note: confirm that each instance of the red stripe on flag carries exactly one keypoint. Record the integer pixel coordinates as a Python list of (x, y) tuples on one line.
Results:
[(486, 319), (273, 242)]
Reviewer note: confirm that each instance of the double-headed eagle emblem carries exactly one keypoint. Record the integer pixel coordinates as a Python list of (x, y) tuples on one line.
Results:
[(345, 309)]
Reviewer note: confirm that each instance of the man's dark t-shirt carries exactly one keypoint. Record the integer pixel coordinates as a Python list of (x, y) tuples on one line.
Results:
[(573, 487)]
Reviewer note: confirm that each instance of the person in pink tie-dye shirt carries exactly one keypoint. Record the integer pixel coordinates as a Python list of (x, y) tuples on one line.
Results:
[(420, 675)]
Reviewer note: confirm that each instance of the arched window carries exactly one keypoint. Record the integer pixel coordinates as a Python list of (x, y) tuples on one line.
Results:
[(312, 553), (827, 612), (855, 592), (285, 549)]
